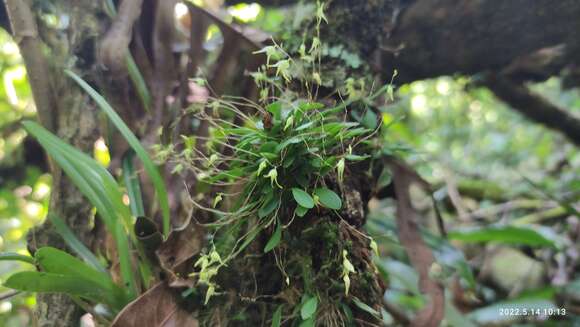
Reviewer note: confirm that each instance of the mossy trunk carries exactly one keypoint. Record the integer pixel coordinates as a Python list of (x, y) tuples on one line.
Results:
[(309, 261)]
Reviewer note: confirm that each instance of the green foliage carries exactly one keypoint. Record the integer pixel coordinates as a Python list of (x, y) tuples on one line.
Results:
[(504, 234), (308, 308), (274, 240), (131, 180), (150, 167), (328, 198), (33, 281), (277, 317), (63, 273), (98, 186), (75, 244), (302, 198)]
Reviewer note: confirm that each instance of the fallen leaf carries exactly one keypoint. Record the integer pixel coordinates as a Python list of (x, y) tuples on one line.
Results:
[(158, 307), (176, 253)]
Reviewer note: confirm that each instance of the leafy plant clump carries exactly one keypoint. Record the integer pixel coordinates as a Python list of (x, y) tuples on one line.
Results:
[(279, 176), (276, 172)]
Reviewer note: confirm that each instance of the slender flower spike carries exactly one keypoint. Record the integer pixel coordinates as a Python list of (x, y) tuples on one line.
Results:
[(340, 170), (210, 292), (315, 45), (215, 257), (375, 247), (217, 200), (273, 175), (316, 78), (289, 122), (212, 159), (347, 268), (262, 166), (320, 16), (283, 69), (271, 53)]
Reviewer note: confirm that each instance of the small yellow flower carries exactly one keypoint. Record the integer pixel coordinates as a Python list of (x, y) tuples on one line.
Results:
[(273, 175)]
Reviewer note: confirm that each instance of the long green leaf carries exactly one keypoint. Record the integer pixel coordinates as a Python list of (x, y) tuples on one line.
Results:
[(132, 183), (59, 262), (91, 178), (43, 282), (150, 167), (75, 244), (277, 317), (125, 261), (95, 182), (274, 240), (502, 234), (139, 82)]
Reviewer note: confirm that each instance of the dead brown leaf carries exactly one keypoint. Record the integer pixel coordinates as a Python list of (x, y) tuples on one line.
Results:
[(419, 253), (176, 253), (158, 307)]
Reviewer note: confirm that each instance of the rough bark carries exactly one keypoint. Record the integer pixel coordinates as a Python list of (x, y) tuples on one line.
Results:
[(64, 109), (429, 38), (471, 36), (529, 40)]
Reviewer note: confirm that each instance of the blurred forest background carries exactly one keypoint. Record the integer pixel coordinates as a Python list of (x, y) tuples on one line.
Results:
[(508, 190)]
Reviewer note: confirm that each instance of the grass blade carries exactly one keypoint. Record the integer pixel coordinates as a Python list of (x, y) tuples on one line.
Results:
[(95, 182), (75, 244), (132, 183), (150, 167), (139, 82), (43, 282)]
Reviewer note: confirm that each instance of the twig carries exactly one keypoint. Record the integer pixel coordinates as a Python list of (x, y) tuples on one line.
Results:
[(518, 204), (540, 216), (25, 30), (6, 295), (454, 195)]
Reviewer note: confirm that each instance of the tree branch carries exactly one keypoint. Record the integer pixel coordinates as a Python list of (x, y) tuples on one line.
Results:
[(445, 37), (26, 35), (114, 47), (535, 107)]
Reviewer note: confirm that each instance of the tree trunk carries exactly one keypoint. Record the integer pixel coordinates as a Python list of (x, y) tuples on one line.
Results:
[(64, 109)]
